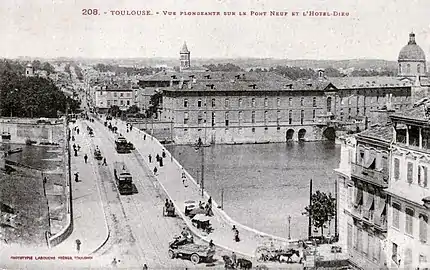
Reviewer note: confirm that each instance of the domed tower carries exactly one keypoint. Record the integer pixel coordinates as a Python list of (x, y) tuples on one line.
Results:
[(29, 70), (412, 60), (185, 57)]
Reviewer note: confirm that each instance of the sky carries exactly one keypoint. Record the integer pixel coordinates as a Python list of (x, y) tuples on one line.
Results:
[(375, 29)]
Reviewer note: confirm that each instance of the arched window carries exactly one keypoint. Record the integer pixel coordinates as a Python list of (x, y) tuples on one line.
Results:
[(400, 68), (408, 68), (329, 104), (419, 68)]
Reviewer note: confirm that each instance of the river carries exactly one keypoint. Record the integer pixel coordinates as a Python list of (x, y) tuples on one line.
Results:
[(263, 184)]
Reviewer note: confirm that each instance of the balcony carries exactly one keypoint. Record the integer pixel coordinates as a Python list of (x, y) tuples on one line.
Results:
[(370, 217), (369, 175)]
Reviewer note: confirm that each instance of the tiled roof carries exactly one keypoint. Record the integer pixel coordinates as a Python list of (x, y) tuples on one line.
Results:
[(366, 82), (417, 112), (384, 133)]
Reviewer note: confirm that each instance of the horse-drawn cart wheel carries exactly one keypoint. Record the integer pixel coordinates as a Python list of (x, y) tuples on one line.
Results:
[(195, 258), (171, 254)]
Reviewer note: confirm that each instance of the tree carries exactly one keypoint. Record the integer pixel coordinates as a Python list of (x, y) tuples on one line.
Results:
[(114, 110), (155, 104), (322, 210), (133, 109)]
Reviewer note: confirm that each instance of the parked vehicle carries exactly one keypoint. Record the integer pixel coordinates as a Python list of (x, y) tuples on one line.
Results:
[(191, 251), (122, 146), (123, 178)]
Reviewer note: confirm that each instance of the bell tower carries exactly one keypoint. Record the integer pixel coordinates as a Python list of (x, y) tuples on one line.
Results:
[(185, 57)]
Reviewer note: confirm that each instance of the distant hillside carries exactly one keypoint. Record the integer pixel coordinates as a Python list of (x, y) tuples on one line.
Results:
[(244, 63)]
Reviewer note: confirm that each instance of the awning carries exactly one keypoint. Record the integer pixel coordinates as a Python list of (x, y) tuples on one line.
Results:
[(369, 161), (369, 202), (358, 196)]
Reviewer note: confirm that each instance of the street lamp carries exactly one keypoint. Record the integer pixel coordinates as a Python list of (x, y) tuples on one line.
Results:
[(289, 227), (199, 146)]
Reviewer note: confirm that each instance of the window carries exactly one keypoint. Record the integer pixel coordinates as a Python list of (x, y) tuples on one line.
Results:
[(114, 94), (213, 102), (408, 68), (121, 102), (396, 215), (349, 239), (329, 104), (266, 102), (400, 68), (226, 102), (253, 102), (185, 103), (265, 117), (422, 176), (253, 117), (253, 130), (396, 169), (128, 102), (199, 119), (240, 117), (240, 102), (290, 117), (199, 103), (121, 95), (418, 68), (278, 102), (313, 114), (314, 102), (302, 116), (290, 102), (185, 118), (409, 221), (213, 119), (370, 244), (422, 259), (408, 258), (410, 176), (226, 119), (395, 252), (278, 116), (423, 227), (360, 240)]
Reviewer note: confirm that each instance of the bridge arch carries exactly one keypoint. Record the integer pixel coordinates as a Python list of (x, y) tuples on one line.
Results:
[(301, 134), (290, 134)]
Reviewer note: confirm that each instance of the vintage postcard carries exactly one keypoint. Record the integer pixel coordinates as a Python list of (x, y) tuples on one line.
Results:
[(214, 134)]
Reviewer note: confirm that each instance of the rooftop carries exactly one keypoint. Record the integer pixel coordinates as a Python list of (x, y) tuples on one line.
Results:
[(367, 82), (419, 112), (412, 51), (384, 133)]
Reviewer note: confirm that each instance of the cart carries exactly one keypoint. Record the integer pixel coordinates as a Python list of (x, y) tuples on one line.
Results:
[(201, 221), (271, 252), (169, 211), (190, 251), (98, 155)]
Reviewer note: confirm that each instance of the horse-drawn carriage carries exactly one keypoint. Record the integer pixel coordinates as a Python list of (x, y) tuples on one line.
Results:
[(279, 253), (98, 154), (169, 210)]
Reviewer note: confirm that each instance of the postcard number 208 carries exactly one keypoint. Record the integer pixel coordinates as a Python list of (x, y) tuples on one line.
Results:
[(87, 11)]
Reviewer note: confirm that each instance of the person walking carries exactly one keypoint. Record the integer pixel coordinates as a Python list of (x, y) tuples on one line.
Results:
[(161, 162), (163, 154), (145, 267), (77, 177), (150, 158), (78, 245), (184, 178), (144, 137), (155, 170), (85, 158), (77, 131), (114, 262), (104, 162), (76, 152)]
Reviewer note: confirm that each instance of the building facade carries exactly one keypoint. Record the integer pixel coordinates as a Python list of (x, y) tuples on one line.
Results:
[(383, 193), (412, 60), (122, 95)]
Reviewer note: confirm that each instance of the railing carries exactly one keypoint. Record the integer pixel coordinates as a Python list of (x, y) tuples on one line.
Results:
[(369, 217), (370, 175)]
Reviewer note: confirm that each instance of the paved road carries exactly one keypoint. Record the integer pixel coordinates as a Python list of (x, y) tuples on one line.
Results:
[(149, 232)]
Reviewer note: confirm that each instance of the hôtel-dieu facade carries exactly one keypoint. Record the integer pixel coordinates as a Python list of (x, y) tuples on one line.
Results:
[(251, 107)]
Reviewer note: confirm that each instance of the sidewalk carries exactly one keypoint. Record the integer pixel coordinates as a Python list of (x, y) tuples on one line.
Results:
[(169, 177), (88, 214)]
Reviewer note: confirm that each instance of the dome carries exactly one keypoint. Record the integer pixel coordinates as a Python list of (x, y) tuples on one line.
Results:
[(29, 65), (412, 51)]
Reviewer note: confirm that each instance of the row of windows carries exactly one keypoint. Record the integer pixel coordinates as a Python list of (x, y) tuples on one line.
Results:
[(409, 222), (115, 94), (420, 172), (253, 102), (368, 244), (200, 117), (115, 102), (253, 129), (408, 257), (408, 68)]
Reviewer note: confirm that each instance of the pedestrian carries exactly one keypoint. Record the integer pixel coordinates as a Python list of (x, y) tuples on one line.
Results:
[(211, 244), (210, 201), (76, 152), (74, 146), (144, 137), (104, 162), (184, 178), (155, 170), (76, 177), (78, 245), (145, 267), (150, 158), (79, 147), (161, 162), (73, 138), (157, 157), (114, 262), (163, 154), (77, 131), (85, 158), (234, 258)]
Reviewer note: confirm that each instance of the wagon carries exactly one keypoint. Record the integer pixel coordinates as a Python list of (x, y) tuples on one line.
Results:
[(169, 211), (201, 221), (195, 253), (98, 155)]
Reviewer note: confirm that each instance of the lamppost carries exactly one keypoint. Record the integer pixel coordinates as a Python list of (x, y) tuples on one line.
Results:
[(200, 147), (289, 227)]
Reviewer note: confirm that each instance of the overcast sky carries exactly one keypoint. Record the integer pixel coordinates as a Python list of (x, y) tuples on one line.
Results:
[(55, 28)]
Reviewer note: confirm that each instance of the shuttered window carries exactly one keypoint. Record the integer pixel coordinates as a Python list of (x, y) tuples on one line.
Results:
[(410, 172), (396, 169), (409, 222), (423, 227), (396, 215)]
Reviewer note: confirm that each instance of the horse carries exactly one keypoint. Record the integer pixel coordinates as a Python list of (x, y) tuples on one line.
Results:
[(286, 257)]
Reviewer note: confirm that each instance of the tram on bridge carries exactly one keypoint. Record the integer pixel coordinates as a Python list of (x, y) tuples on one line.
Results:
[(123, 178)]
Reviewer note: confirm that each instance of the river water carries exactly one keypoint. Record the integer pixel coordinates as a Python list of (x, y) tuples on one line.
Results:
[(263, 184)]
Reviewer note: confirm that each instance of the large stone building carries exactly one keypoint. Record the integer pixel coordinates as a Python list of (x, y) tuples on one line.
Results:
[(123, 95), (383, 193), (252, 107)]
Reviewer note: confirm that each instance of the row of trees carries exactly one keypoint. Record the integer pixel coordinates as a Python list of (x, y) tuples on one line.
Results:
[(229, 67), (126, 70), (22, 96)]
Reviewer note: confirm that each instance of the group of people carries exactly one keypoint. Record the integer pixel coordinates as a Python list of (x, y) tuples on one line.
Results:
[(158, 159)]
